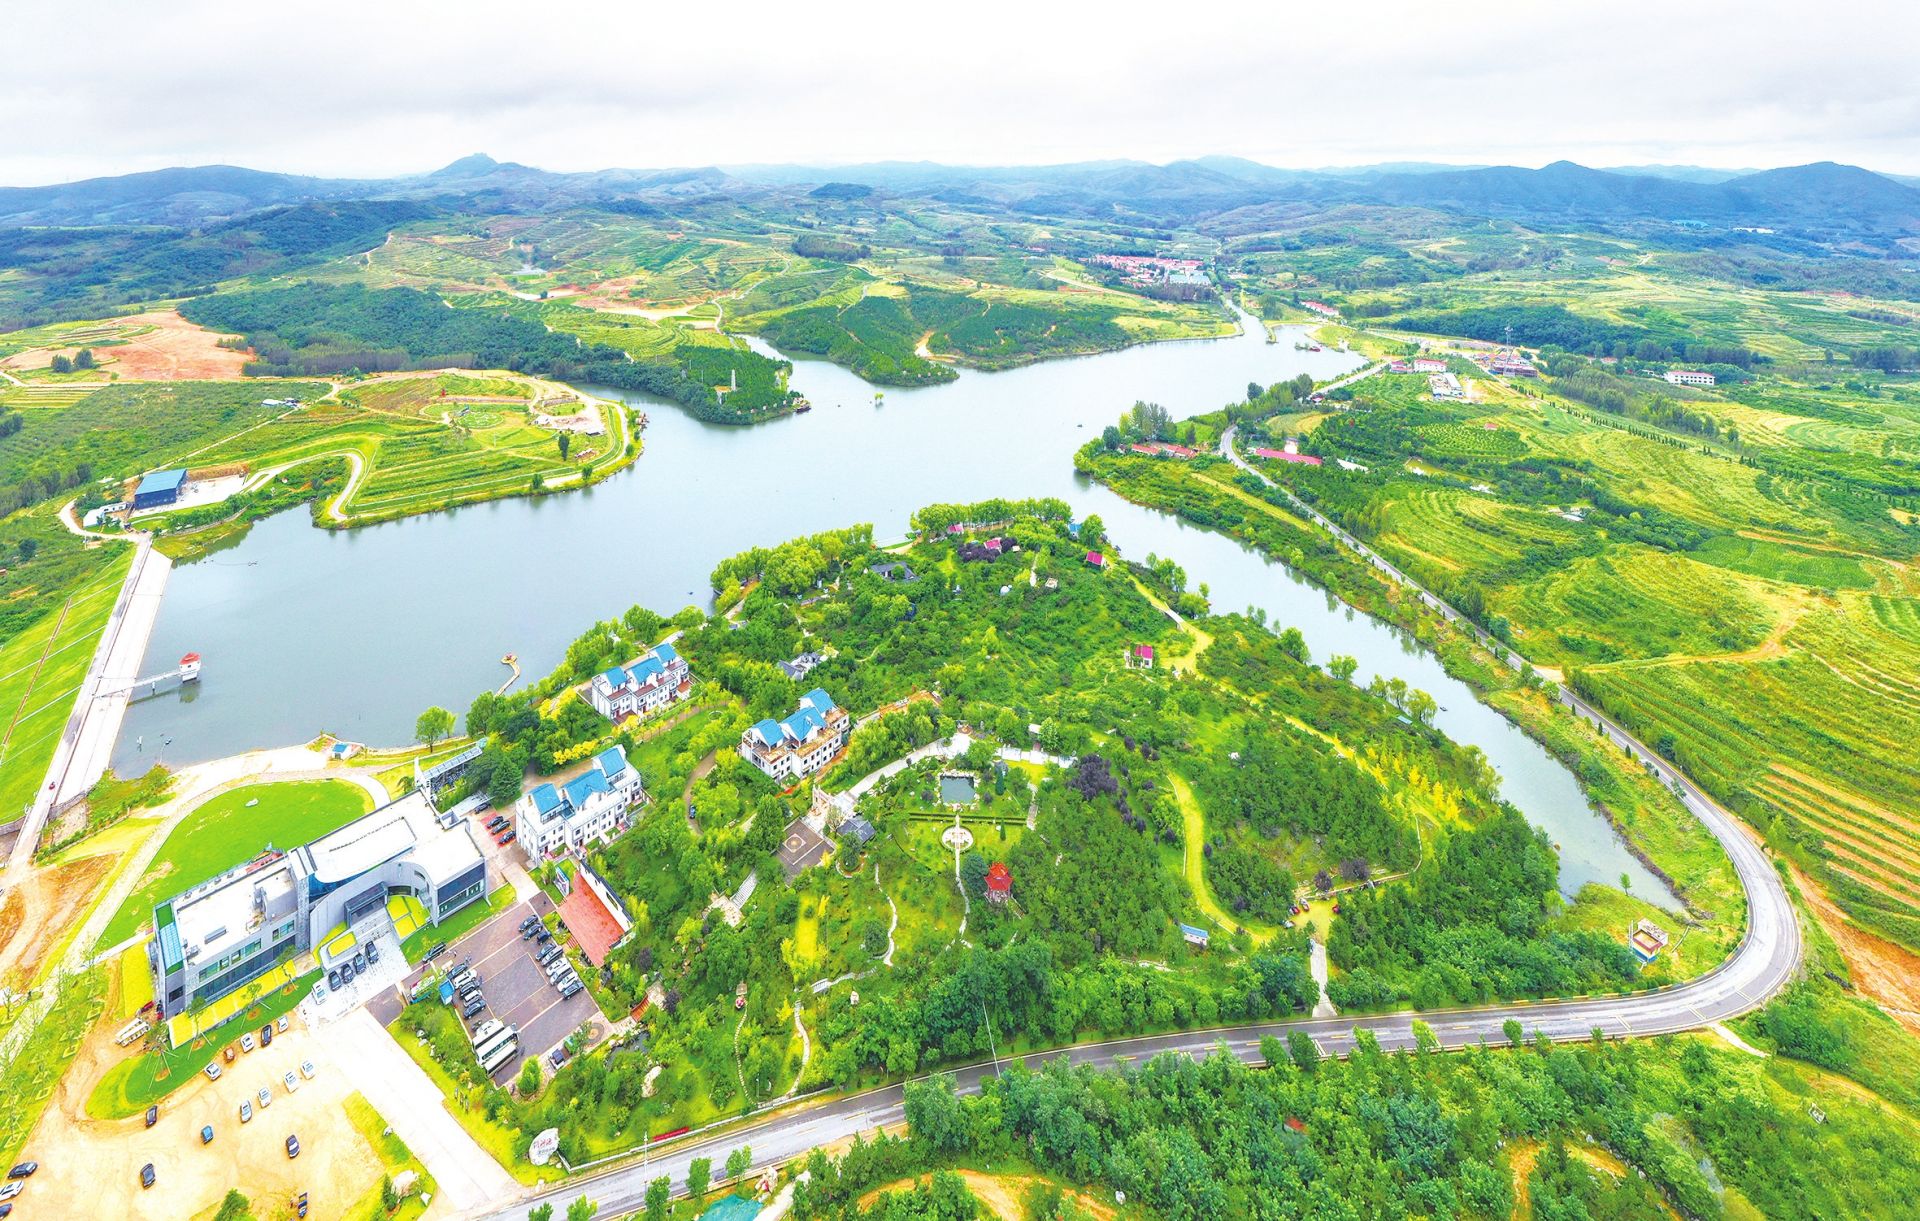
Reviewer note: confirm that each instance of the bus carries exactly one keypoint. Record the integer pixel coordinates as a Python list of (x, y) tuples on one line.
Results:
[(502, 1050), (486, 1030)]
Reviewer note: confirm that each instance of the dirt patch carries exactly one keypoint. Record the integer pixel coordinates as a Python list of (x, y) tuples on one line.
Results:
[(1885, 973), (99, 1161), (172, 350), (1001, 1193), (37, 914)]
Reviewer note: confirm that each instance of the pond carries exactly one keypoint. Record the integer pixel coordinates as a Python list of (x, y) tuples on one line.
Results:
[(957, 789), (353, 633)]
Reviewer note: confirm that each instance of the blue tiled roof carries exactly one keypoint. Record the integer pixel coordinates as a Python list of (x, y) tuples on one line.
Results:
[(615, 677), (546, 798), (666, 652), (648, 668), (821, 701), (769, 731), (1187, 930), (612, 760), (584, 786)]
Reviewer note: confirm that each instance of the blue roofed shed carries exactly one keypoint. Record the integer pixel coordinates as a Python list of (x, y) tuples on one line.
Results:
[(159, 488)]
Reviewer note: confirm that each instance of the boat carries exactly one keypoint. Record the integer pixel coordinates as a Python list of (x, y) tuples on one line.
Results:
[(800, 405)]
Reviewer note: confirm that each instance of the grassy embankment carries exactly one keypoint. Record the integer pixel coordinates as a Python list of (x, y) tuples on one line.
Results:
[(227, 830)]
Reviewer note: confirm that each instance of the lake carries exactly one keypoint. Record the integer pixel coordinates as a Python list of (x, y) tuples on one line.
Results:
[(353, 633)]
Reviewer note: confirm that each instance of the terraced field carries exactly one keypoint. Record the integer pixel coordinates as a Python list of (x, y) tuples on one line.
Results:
[(1816, 742), (1633, 602), (1460, 530)]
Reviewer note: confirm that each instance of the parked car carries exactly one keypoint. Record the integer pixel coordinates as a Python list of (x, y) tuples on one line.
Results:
[(246, 1111), (506, 839), (293, 1147), (373, 953), (496, 822), (228, 1053), (246, 1041), (153, 1115), (473, 1006), (206, 1135), (23, 1171), (281, 1025), (292, 1082), (266, 1099), (435, 952), (213, 1072), (570, 991), (333, 978), (557, 1056), (266, 1034), (359, 961), (306, 1069), (146, 1175), (6, 1210), (10, 1189)]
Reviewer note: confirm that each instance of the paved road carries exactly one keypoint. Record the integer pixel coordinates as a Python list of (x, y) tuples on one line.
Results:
[(1765, 961)]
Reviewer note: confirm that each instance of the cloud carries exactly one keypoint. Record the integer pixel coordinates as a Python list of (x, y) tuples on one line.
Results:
[(359, 89)]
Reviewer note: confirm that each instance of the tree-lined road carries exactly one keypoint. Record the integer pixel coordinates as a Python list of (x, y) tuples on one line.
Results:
[(1766, 959)]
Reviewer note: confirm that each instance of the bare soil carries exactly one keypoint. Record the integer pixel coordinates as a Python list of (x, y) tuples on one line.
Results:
[(92, 1167), (36, 915), (1001, 1193), (1885, 973), (175, 350)]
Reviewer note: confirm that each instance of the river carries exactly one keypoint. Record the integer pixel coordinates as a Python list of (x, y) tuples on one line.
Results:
[(352, 633)]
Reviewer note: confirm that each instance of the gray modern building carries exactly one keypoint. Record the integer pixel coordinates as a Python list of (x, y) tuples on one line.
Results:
[(233, 929)]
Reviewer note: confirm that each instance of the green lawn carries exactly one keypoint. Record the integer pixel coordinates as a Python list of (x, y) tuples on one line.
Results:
[(227, 830), (139, 1081)]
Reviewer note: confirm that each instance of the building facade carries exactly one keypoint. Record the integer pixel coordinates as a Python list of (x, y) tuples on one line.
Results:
[(1688, 377), (221, 934), (655, 679), (592, 807), (801, 743)]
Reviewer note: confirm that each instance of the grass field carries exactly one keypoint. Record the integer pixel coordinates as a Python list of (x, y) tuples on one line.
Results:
[(228, 830), (41, 671)]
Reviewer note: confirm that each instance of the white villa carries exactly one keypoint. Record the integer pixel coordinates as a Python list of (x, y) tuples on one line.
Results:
[(652, 681), (801, 743), (552, 819)]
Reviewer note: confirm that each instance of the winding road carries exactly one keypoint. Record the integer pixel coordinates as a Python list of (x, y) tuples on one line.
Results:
[(1766, 959)]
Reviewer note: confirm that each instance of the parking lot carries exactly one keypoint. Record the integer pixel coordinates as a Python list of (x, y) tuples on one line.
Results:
[(516, 988)]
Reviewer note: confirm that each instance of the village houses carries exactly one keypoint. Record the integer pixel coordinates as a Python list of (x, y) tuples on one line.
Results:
[(655, 679), (802, 742), (593, 806)]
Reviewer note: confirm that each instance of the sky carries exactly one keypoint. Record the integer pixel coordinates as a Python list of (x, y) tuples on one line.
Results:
[(356, 89)]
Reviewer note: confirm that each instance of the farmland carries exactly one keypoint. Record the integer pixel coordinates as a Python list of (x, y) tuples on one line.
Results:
[(1748, 608)]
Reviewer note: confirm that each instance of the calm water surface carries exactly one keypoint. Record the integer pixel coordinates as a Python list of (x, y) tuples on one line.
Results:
[(354, 632)]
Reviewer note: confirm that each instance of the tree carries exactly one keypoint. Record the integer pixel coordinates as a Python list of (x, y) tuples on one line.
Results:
[(529, 1083), (62, 364), (235, 1207), (1513, 1030), (934, 1114), (389, 1198), (541, 1212), (566, 443), (699, 1175), (83, 359), (1306, 1057), (1110, 437), (582, 1209), (739, 1161), (1421, 707), (1424, 1038), (433, 725), (659, 1197), (1342, 667)]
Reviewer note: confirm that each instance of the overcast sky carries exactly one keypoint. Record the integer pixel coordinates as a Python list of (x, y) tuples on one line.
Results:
[(350, 88)]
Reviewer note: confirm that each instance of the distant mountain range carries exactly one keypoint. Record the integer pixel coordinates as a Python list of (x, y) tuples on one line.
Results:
[(1823, 200)]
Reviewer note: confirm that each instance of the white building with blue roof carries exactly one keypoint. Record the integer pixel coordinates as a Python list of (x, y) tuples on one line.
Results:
[(649, 683), (553, 819), (802, 742)]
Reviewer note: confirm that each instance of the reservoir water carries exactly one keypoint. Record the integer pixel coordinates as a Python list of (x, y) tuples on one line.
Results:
[(355, 632)]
